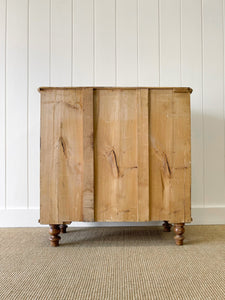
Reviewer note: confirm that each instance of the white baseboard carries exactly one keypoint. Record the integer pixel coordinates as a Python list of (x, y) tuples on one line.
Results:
[(208, 215), (29, 218)]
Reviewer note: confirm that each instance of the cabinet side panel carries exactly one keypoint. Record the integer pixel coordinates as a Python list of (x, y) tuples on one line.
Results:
[(182, 156), (115, 139), (70, 155), (160, 153), (48, 170), (169, 156), (61, 156), (143, 157), (88, 187)]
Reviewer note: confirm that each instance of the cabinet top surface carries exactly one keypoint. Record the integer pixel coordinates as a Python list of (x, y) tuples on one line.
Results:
[(175, 89)]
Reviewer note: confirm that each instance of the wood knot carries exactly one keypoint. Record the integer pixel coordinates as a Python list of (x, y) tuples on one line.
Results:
[(166, 166), (63, 145), (114, 163)]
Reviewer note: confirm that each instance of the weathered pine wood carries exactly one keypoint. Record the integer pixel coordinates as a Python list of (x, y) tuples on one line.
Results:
[(170, 155), (88, 156), (143, 155), (182, 155), (61, 156), (115, 154), (116, 172)]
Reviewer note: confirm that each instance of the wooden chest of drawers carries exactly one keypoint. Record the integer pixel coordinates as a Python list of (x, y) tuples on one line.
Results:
[(115, 155)]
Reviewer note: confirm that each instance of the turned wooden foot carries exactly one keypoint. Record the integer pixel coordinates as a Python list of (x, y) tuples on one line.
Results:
[(54, 230), (63, 228), (179, 231), (166, 226)]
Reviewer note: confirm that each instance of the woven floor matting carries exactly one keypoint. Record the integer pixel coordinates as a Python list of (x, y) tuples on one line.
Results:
[(113, 263)]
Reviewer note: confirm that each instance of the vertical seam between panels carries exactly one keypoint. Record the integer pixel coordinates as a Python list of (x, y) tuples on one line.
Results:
[(28, 43), (71, 43), (5, 101), (115, 42), (93, 42), (203, 130), (159, 43)]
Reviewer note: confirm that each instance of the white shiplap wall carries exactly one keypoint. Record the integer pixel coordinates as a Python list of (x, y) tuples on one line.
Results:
[(109, 43)]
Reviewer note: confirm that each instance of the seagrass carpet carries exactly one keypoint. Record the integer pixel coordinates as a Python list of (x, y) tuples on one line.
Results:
[(113, 263)]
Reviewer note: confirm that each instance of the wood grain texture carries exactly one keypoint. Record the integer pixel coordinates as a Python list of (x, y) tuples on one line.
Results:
[(116, 173), (143, 155), (121, 155), (61, 156), (88, 156), (170, 176), (115, 155)]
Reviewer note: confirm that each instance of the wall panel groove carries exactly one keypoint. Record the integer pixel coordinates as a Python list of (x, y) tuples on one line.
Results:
[(191, 59), (170, 43), (28, 116), (83, 65), (213, 84), (39, 72), (202, 112), (3, 10), (16, 103)]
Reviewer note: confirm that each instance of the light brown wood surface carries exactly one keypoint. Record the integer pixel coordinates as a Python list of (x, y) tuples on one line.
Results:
[(170, 156), (88, 158), (64, 145), (121, 155), (143, 154), (115, 154)]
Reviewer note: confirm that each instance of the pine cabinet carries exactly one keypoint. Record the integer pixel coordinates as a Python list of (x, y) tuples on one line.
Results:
[(115, 155)]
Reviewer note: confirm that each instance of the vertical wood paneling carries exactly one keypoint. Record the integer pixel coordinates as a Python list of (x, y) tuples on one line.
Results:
[(104, 43), (169, 159), (16, 103), (116, 155), (83, 46), (143, 154), (170, 43), (61, 42), (61, 155), (38, 76), (126, 43), (148, 43), (213, 85), (88, 155), (191, 66), (2, 100), (224, 74)]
